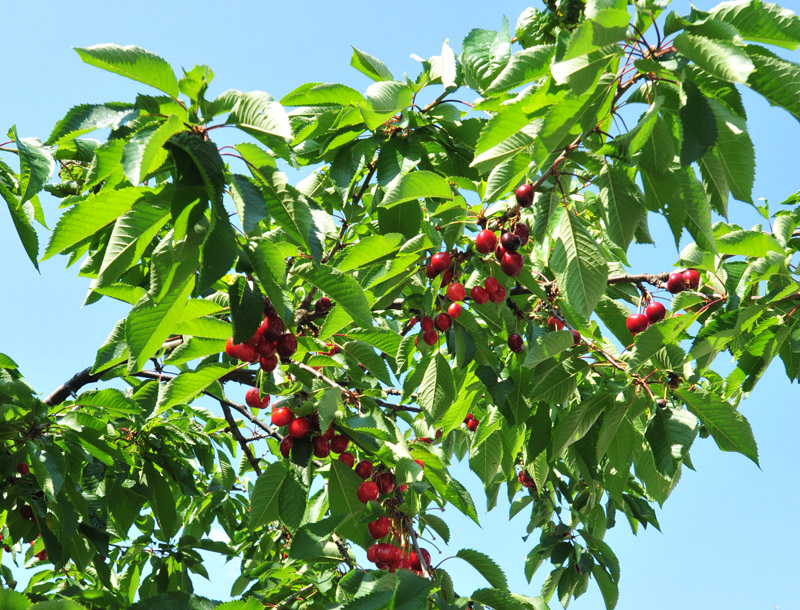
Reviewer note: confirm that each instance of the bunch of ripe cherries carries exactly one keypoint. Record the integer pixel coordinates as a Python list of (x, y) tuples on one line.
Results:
[(678, 281)]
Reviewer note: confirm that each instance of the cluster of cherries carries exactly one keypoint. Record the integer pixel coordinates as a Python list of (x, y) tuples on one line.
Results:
[(655, 312), (471, 422), (384, 555), (526, 480), (268, 342)]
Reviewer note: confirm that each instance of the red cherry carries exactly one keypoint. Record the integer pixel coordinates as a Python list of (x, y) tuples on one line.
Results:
[(321, 447), (486, 241), (231, 348), (421, 463), (447, 277), (286, 446), (329, 434), (555, 323), (468, 417), (26, 512), (440, 261), (523, 233), (23, 469), (272, 327), (387, 553), (576, 337), (266, 349), (456, 292), (512, 263), (515, 343), (499, 252), (473, 424), (479, 295), (281, 416), (247, 353), (498, 296), (692, 278), (431, 272), (430, 337), (524, 195), (510, 241), (287, 345), (402, 488), (380, 527), (637, 323), (347, 458), (676, 282), (254, 400), (372, 553), (367, 491), (426, 323), (454, 310), (41, 555), (268, 363), (385, 482), (299, 427), (339, 443), (491, 284), (323, 305), (655, 312), (443, 322), (364, 469), (413, 559)]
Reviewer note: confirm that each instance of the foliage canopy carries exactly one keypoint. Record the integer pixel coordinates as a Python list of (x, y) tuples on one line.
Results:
[(112, 493)]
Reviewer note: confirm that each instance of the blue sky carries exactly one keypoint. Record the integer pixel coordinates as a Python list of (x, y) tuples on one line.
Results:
[(728, 534)]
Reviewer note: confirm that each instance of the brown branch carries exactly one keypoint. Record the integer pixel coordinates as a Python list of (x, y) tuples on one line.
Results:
[(71, 387), (413, 535), (234, 428), (657, 279)]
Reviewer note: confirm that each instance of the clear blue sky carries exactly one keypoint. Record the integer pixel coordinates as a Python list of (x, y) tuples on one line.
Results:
[(729, 539)]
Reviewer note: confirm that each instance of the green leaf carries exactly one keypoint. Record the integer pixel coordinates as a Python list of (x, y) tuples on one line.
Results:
[(655, 337), (776, 79), (411, 591), (162, 500), (581, 73), (23, 224), (497, 599), (524, 67), (249, 202), (144, 152), (437, 524), (501, 126), (486, 567), (35, 166), (734, 148), (11, 600), (437, 390), (134, 63), (269, 267), (50, 468), (717, 57), (699, 125), (340, 287), (262, 117), (205, 157), (748, 243), (389, 97), (484, 55), (60, 604), (265, 497), (573, 425), (548, 345), (728, 427), (484, 459), (369, 65), (150, 324), (622, 204), (90, 215), (366, 355), (286, 205), (292, 503), (323, 94), (579, 265), (132, 234), (343, 484), (416, 185), (88, 117), (608, 588), (369, 249), (759, 21), (246, 309), (183, 388)]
